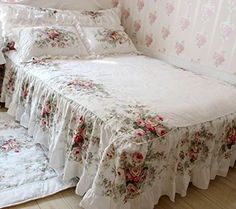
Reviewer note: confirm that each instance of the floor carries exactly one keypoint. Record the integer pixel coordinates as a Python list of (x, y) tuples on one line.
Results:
[(220, 195)]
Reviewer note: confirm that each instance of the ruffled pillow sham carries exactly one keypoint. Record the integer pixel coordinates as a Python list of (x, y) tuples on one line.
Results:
[(48, 41), (59, 4), (13, 15), (106, 41), (105, 18), (19, 15)]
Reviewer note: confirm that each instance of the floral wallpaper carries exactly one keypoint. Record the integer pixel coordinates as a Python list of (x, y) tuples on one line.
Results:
[(201, 32)]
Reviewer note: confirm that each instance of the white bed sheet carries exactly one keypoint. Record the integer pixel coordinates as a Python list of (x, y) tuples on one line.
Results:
[(183, 97), (133, 116)]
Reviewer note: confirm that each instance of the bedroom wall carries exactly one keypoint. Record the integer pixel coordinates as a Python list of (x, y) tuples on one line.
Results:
[(200, 34)]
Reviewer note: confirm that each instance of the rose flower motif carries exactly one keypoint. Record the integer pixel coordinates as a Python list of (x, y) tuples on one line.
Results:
[(53, 34), (79, 135), (11, 45), (25, 93), (132, 189), (9, 145), (231, 140), (92, 14), (160, 130), (138, 157), (47, 108), (115, 36), (151, 124), (76, 151), (78, 138), (44, 122), (193, 155)]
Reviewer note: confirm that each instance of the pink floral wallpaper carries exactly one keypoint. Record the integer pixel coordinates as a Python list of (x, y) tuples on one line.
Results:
[(201, 32)]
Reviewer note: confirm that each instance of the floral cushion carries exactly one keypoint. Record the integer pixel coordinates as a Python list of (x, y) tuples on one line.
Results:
[(50, 41), (21, 15), (105, 41), (60, 4), (105, 18)]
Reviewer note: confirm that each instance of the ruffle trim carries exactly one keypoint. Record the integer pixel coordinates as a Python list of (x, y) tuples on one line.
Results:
[(33, 191), (169, 183), (200, 178)]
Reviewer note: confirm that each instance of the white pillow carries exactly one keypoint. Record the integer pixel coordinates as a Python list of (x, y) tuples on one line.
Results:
[(106, 41), (44, 41), (59, 4), (105, 18), (20, 15)]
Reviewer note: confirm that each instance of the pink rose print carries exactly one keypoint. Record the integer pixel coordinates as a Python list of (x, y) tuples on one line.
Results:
[(231, 140), (184, 23), (148, 40), (219, 58), (232, 3), (138, 157), (140, 5), (161, 131), (11, 144), (193, 155), (132, 189), (47, 109), (152, 17), (201, 40), (9, 46), (126, 13), (227, 30), (25, 92), (140, 122), (179, 47), (137, 25), (53, 34), (140, 133), (159, 118), (207, 11), (165, 32), (135, 172), (169, 8), (115, 3)]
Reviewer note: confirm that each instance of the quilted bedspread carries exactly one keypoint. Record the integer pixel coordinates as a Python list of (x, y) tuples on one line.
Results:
[(131, 128)]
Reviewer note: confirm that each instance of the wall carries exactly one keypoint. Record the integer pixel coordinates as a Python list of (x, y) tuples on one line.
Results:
[(197, 34)]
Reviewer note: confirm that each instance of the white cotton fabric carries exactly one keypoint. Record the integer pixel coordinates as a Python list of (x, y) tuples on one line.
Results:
[(25, 174), (59, 4), (100, 41), (187, 102), (40, 41), (22, 15), (181, 96)]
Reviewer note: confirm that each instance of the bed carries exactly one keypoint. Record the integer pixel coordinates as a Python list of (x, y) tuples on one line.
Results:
[(129, 127), (132, 128)]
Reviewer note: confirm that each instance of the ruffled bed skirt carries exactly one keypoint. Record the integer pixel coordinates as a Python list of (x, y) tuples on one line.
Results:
[(57, 139)]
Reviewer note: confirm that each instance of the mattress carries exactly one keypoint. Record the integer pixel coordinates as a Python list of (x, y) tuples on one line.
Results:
[(132, 128)]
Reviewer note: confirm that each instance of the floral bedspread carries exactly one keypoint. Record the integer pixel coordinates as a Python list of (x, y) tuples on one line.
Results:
[(131, 128)]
